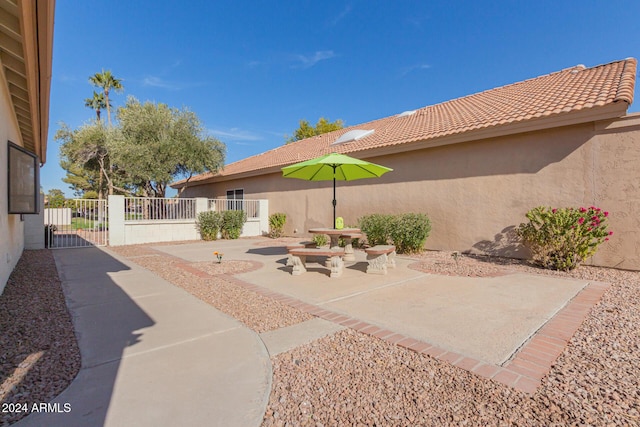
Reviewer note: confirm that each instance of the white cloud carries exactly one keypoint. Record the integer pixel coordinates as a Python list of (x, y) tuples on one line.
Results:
[(235, 134), (412, 68), (341, 15), (310, 61), (161, 83)]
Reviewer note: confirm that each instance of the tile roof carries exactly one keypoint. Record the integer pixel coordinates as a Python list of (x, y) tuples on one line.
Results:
[(552, 95)]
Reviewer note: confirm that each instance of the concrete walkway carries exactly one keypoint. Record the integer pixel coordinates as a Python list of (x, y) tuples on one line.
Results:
[(152, 354)]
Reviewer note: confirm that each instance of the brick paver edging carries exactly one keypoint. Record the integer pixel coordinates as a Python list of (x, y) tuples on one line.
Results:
[(524, 372)]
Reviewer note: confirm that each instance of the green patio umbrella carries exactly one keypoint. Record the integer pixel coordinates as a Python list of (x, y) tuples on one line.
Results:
[(334, 167)]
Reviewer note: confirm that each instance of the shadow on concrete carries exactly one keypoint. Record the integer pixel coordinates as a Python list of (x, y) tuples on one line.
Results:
[(358, 266), (268, 250), (77, 239), (105, 320), (504, 244)]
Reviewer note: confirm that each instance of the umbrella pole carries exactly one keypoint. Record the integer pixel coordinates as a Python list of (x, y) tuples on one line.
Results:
[(334, 197)]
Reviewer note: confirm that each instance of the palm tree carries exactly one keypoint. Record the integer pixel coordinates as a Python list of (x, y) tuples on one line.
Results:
[(97, 103), (106, 81)]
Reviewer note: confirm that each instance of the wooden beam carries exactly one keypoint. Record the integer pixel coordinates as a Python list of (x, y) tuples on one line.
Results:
[(10, 6), (13, 64), (20, 103), (16, 79), (11, 46), (20, 110), (10, 24), (18, 92), (26, 132)]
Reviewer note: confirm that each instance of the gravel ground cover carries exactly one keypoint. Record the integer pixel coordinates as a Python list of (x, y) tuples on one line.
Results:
[(39, 354), (350, 378), (354, 379)]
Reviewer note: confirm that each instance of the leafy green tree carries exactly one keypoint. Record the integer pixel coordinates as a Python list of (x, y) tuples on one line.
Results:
[(90, 195), (157, 144), (107, 81), (96, 103), (307, 131), (80, 178), (84, 154), (55, 198)]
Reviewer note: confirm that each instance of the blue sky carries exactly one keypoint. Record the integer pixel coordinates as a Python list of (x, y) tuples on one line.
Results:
[(252, 69)]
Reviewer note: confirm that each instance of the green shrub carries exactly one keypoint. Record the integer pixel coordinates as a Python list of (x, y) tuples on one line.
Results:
[(377, 228), (232, 222), (276, 224), (356, 243), (560, 239), (209, 224), (409, 232), (320, 239)]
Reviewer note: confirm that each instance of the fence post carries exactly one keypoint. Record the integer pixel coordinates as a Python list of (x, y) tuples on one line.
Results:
[(115, 207), (202, 205), (263, 206), (34, 228)]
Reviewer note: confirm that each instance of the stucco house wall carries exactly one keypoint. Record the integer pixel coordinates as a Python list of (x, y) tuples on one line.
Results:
[(477, 192), (26, 49), (11, 228)]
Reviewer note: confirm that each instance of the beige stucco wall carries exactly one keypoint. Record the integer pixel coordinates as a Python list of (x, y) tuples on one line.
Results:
[(11, 228), (475, 193)]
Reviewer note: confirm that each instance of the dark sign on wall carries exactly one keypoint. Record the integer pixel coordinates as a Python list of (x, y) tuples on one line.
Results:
[(23, 180)]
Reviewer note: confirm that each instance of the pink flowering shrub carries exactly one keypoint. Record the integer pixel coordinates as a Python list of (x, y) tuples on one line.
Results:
[(560, 239)]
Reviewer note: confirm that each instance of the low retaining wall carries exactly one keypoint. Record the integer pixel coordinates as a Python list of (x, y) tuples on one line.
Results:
[(123, 232)]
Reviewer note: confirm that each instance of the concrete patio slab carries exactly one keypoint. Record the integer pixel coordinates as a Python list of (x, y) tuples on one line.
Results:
[(285, 339), (490, 326), (485, 318)]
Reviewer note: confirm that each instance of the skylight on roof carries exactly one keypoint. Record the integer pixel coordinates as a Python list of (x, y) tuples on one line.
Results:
[(354, 135), (406, 113)]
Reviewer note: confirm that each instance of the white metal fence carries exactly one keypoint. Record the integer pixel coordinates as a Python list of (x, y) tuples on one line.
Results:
[(251, 207), (159, 209), (79, 223), (136, 220)]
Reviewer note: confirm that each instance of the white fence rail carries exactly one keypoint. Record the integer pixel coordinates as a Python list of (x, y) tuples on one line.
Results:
[(251, 207), (159, 209)]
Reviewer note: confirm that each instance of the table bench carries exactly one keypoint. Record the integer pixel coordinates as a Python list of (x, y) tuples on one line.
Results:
[(380, 258), (305, 244), (349, 254), (298, 258)]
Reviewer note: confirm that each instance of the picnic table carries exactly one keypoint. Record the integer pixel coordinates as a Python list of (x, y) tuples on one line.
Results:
[(334, 237), (334, 234)]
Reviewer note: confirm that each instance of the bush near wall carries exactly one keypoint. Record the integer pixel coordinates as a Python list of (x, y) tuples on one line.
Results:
[(232, 222), (561, 238), (276, 224), (320, 240), (408, 231), (209, 224), (377, 228)]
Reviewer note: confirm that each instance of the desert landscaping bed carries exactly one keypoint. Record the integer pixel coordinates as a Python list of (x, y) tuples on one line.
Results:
[(350, 378), (39, 355)]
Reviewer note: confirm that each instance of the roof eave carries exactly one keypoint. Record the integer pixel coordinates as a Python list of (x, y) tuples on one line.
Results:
[(611, 111)]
